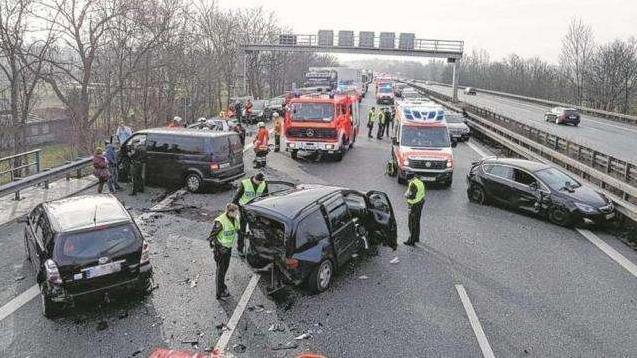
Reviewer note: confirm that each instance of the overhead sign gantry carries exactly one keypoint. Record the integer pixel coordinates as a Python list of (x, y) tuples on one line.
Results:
[(367, 43)]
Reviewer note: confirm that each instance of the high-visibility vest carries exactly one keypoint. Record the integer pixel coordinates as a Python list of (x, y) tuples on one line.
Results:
[(249, 192), (381, 117), (420, 191), (228, 234), (371, 117)]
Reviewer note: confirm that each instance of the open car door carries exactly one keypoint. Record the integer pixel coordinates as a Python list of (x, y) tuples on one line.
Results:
[(383, 215)]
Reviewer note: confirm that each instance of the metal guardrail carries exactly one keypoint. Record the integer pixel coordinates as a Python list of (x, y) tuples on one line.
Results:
[(45, 176), (613, 116), (13, 170), (615, 177)]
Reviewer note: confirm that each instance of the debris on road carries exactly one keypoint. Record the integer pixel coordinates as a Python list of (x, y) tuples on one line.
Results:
[(362, 277), (222, 326), (303, 336), (257, 308), (288, 345), (395, 260), (102, 325), (123, 314), (139, 351), (19, 278), (192, 342), (239, 348), (276, 328)]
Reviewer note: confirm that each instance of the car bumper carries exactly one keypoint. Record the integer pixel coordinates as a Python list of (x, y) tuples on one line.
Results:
[(429, 175), (218, 181), (461, 136), (385, 100), (596, 218), (317, 147)]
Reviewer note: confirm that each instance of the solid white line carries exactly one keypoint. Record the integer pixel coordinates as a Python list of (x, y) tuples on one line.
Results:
[(476, 149), (236, 315), (475, 323), (608, 250), (19, 301)]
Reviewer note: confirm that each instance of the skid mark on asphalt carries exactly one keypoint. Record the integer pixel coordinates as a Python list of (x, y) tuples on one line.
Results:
[(608, 250), (487, 352)]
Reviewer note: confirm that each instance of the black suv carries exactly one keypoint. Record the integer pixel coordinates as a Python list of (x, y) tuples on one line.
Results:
[(537, 188), (308, 231), (187, 156), (84, 246)]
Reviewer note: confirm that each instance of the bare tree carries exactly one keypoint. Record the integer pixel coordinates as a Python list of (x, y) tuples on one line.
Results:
[(578, 47)]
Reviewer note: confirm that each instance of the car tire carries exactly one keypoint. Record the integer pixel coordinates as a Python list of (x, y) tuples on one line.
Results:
[(321, 277), (560, 217), (193, 182), (50, 309), (294, 154), (144, 286), (338, 156), (447, 183), (478, 195)]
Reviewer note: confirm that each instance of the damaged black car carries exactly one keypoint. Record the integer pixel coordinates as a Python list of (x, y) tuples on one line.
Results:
[(307, 232)]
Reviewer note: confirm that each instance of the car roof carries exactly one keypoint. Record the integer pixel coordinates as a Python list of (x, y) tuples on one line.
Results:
[(528, 165), (85, 211), (185, 132), (289, 203)]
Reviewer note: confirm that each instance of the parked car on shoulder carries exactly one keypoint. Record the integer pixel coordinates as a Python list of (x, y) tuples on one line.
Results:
[(186, 156), (215, 124), (458, 129), (260, 112), (470, 91), (307, 232), (276, 105), (561, 115), (84, 246), (539, 189)]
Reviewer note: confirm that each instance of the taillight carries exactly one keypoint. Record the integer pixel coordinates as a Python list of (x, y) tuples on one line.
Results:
[(214, 166), (52, 272), (291, 263), (145, 253)]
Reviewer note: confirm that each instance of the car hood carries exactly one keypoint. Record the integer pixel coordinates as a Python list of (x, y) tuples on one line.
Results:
[(408, 152), (586, 195)]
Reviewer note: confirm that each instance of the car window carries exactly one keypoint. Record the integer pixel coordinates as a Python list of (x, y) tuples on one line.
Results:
[(235, 144), (522, 177), (158, 143), (186, 145), (338, 215), (137, 139), (355, 202), (95, 243), (500, 171), (311, 229), (219, 147)]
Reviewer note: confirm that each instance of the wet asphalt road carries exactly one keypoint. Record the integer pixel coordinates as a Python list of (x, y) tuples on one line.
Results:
[(538, 290)]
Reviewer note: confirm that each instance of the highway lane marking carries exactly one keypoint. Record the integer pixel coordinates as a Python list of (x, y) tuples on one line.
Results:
[(487, 352), (481, 152), (610, 251), (222, 343), (19, 301)]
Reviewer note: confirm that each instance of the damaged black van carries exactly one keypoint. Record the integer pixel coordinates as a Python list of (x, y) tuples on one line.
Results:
[(305, 233)]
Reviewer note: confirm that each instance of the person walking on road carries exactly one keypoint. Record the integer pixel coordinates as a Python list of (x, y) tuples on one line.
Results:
[(100, 169), (381, 124), (371, 119), (278, 129), (138, 157), (260, 143), (249, 189), (221, 239), (389, 119), (111, 157), (415, 196)]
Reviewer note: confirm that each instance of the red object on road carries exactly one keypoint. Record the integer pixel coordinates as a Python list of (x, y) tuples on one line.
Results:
[(169, 353)]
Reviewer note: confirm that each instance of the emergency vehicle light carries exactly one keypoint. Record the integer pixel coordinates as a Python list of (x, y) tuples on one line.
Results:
[(416, 114)]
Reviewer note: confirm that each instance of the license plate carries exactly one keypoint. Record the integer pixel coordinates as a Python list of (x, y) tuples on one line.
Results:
[(609, 216), (572, 117), (224, 165), (428, 179), (102, 270)]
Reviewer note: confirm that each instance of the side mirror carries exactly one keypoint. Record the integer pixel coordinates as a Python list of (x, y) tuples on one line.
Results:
[(454, 143), (533, 186)]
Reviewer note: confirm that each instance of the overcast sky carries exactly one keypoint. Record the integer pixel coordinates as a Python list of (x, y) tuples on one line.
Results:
[(528, 28)]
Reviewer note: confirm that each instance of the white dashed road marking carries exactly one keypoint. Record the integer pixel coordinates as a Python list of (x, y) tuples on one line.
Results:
[(475, 323), (608, 250), (19, 301), (236, 315)]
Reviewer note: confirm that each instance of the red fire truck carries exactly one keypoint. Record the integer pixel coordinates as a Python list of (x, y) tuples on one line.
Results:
[(323, 124)]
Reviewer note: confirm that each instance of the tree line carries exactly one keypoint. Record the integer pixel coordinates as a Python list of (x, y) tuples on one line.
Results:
[(142, 61)]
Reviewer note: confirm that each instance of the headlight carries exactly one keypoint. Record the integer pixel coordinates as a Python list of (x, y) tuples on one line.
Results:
[(329, 146), (292, 145), (585, 208), (406, 161), (449, 164)]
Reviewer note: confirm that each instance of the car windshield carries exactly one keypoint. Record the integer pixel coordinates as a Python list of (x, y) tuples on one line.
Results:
[(425, 137), (312, 112), (556, 179), (93, 244), (570, 112), (454, 118), (385, 90)]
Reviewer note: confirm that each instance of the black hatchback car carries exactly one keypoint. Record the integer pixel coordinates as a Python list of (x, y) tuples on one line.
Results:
[(84, 246), (192, 157), (309, 231), (537, 188)]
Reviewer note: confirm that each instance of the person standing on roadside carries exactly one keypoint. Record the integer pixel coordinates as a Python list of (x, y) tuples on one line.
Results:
[(111, 157), (123, 132), (138, 157), (371, 119), (389, 119), (278, 129), (415, 196), (381, 124), (221, 239), (242, 133), (100, 169), (249, 189)]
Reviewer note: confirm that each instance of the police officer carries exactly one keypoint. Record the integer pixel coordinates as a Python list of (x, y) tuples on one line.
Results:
[(415, 196), (137, 156), (249, 189), (371, 119), (221, 239), (381, 124)]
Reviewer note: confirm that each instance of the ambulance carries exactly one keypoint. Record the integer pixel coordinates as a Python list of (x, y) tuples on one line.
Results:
[(421, 144)]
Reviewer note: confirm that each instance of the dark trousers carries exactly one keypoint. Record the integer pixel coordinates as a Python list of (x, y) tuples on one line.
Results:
[(240, 234), (371, 129), (381, 130), (137, 173), (277, 142), (415, 212), (222, 258), (387, 127)]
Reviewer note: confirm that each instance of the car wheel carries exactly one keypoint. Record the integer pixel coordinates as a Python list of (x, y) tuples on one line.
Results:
[(193, 182), (559, 216), (478, 195), (294, 154), (448, 183), (338, 156), (321, 278), (50, 309), (144, 286)]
